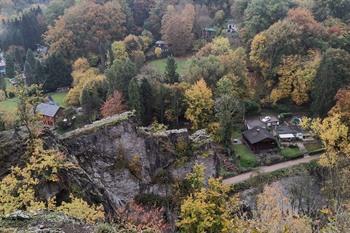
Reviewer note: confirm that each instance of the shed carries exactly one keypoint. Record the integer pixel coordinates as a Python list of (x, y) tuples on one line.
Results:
[(259, 139), (162, 44), (49, 111)]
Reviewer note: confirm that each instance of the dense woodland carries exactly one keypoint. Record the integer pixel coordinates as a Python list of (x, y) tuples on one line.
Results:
[(281, 55)]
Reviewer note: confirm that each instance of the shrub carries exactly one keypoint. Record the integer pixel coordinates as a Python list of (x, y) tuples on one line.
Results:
[(181, 147), (105, 228), (252, 107), (152, 200), (145, 220), (214, 131), (158, 52), (135, 166), (80, 209), (2, 95)]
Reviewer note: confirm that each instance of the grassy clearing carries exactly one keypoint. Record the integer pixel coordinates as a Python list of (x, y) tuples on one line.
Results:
[(246, 157), (10, 105), (236, 134), (310, 147), (59, 97), (290, 153), (160, 64)]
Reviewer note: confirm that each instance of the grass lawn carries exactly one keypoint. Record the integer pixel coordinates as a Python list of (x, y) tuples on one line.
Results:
[(290, 153), (236, 134), (160, 64), (310, 147), (246, 157), (10, 105), (59, 97)]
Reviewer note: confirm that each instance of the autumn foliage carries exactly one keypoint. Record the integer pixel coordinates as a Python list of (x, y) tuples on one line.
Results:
[(144, 219), (113, 105)]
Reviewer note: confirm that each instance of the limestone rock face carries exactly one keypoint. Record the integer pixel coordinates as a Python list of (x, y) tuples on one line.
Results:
[(116, 161)]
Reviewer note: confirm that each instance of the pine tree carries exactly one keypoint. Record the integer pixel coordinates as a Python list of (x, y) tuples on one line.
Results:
[(92, 97), (29, 68), (147, 101), (135, 98), (119, 75), (171, 76), (10, 66), (57, 73)]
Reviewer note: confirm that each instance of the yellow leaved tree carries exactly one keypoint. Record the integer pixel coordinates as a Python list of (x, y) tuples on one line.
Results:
[(200, 104), (209, 210), (296, 74), (334, 135), (82, 75), (19, 189)]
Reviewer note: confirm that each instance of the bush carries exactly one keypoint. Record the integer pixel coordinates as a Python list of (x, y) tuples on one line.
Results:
[(105, 228), (182, 148), (152, 200), (252, 107), (2, 95), (135, 166)]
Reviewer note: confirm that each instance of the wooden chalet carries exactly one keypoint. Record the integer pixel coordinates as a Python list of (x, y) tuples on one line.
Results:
[(49, 112), (259, 139)]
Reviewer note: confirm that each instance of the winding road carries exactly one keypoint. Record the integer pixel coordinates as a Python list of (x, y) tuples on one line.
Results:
[(267, 169)]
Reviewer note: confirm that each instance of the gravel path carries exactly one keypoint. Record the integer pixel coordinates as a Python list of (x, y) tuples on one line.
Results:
[(268, 169)]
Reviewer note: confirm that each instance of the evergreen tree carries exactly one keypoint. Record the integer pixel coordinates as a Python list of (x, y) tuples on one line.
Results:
[(92, 97), (171, 76), (57, 73), (333, 73), (135, 98), (147, 101), (119, 75), (10, 66), (229, 112), (2, 83), (30, 66)]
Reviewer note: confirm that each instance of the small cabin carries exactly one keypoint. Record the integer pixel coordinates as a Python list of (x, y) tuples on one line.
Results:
[(259, 139), (162, 44), (208, 33), (50, 112)]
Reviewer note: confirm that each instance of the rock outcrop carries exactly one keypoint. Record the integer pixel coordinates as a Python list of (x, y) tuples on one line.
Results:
[(116, 161)]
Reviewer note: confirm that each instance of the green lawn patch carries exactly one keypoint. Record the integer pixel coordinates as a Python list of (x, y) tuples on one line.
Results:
[(58, 97), (8, 106), (236, 134), (310, 147), (291, 152), (246, 156), (160, 64)]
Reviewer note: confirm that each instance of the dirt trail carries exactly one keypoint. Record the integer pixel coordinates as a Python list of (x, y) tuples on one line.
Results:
[(268, 169)]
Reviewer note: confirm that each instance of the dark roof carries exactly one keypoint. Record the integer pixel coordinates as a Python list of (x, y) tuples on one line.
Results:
[(284, 129), (298, 129), (257, 134), (48, 109)]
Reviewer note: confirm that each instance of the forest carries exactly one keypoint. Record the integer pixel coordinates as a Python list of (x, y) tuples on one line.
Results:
[(221, 69)]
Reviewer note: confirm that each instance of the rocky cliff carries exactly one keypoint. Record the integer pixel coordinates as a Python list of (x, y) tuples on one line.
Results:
[(115, 160)]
